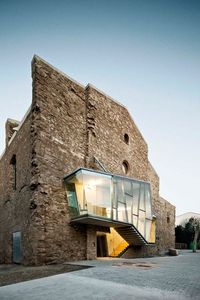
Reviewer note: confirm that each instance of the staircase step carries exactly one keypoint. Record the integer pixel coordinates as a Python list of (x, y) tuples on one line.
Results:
[(131, 235)]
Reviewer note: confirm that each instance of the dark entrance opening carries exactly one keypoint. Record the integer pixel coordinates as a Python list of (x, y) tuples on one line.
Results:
[(102, 246)]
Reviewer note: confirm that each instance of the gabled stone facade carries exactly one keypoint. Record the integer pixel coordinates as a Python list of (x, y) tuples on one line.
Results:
[(67, 126)]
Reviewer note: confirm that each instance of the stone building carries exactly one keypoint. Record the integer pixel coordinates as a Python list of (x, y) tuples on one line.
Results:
[(75, 179)]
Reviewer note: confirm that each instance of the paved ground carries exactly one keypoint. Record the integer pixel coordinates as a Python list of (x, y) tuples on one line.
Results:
[(14, 273), (169, 278)]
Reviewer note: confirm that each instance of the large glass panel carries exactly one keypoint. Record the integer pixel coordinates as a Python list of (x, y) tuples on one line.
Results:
[(72, 200), (148, 229), (148, 201), (97, 191), (113, 197), (119, 189), (142, 199), (114, 200), (135, 221), (128, 191), (78, 180), (136, 192), (114, 214), (128, 187), (89, 184), (74, 191), (141, 222), (129, 203), (122, 214), (103, 197)]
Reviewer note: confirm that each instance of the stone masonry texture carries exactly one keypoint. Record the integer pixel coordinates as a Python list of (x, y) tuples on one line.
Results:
[(67, 126)]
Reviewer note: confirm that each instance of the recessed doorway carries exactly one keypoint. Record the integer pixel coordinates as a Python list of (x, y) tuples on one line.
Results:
[(102, 245)]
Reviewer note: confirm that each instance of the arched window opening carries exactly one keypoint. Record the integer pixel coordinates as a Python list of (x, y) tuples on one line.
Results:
[(125, 167), (126, 138)]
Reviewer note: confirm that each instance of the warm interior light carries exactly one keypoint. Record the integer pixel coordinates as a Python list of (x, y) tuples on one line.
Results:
[(90, 187), (92, 194)]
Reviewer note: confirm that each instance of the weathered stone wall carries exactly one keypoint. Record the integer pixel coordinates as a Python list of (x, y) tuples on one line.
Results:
[(10, 127), (107, 124), (167, 217), (59, 143), (110, 122), (14, 203), (165, 214), (67, 127)]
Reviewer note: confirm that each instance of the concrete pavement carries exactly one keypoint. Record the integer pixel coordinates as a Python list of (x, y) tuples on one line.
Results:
[(147, 278)]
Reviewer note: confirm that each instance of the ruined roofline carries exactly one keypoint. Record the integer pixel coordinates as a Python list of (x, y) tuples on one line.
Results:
[(17, 129), (152, 167), (118, 103), (13, 121), (164, 200), (20, 125), (104, 94), (38, 58)]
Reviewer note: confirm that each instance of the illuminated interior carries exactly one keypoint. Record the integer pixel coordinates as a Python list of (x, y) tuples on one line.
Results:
[(113, 198)]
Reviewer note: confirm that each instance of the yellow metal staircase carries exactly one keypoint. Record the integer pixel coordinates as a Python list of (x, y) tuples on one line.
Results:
[(119, 249)]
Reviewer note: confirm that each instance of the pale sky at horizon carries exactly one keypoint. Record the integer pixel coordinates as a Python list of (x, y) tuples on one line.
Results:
[(145, 54)]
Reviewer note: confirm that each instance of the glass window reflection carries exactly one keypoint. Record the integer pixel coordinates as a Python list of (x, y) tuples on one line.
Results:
[(97, 193), (141, 222), (112, 197), (142, 196), (136, 194), (148, 201)]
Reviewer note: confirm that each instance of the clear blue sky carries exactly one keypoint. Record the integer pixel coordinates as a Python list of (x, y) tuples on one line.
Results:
[(146, 54)]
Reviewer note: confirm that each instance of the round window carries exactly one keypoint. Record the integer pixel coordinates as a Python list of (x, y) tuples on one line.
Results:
[(125, 167)]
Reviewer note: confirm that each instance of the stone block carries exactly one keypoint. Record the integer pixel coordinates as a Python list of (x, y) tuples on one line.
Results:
[(173, 252)]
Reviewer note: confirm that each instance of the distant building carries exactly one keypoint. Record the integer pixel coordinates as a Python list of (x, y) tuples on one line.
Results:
[(75, 179), (184, 218)]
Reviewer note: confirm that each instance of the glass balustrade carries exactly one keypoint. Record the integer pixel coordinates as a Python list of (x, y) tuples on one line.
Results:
[(115, 198)]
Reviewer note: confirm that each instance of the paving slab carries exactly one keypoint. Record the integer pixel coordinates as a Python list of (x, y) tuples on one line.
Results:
[(147, 278)]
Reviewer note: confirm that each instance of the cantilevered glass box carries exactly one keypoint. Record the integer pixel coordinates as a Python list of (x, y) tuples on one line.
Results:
[(110, 200)]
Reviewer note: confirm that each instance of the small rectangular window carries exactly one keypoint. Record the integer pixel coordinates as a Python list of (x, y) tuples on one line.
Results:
[(14, 171)]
